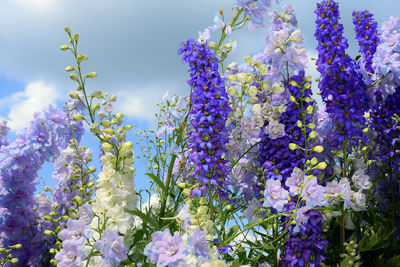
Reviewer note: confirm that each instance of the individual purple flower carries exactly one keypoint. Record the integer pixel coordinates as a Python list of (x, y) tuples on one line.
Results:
[(367, 35), (71, 255), (332, 189), (313, 192), (255, 10), (165, 249), (252, 211), (198, 245), (361, 180), (295, 181), (275, 129), (75, 230), (275, 195), (112, 247), (301, 219)]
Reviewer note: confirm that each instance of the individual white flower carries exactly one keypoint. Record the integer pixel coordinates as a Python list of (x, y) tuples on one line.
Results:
[(275, 129), (361, 180), (296, 37)]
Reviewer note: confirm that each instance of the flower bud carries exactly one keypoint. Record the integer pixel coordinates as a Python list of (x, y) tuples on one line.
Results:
[(231, 78), (67, 30), (248, 60), (119, 116), (78, 117), (69, 68), (73, 95), (14, 260), (313, 134), (48, 232), (73, 77), (96, 93), (127, 127), (106, 123), (64, 47), (53, 251), (242, 77), (92, 74), (53, 262), (293, 146), (17, 246), (109, 131), (321, 166), (106, 146), (299, 124), (314, 161), (310, 110), (318, 149), (76, 36), (182, 185), (229, 207), (113, 98)]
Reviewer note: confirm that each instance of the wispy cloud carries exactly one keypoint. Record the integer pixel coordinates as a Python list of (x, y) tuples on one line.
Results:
[(22, 105)]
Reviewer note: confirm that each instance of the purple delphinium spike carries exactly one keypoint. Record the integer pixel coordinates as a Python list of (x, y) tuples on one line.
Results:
[(210, 110), (341, 84), (367, 35), (19, 163)]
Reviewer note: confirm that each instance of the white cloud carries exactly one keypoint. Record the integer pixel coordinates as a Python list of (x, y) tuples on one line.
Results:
[(22, 105)]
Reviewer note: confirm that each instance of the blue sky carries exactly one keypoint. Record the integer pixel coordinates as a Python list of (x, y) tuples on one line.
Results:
[(131, 44)]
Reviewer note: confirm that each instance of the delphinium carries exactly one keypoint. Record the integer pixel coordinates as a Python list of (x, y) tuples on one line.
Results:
[(367, 36), (210, 110), (4, 129), (20, 162), (341, 84)]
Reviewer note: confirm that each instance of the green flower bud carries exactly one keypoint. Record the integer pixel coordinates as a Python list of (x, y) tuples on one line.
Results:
[(17, 246), (212, 45), (48, 218), (229, 207), (48, 232), (232, 91), (65, 47), (96, 93), (187, 192), (52, 213), (321, 166), (293, 99), (310, 110), (96, 107), (106, 146), (314, 161), (78, 117), (119, 116), (242, 77), (92, 74), (248, 60), (318, 149), (106, 123), (127, 127), (293, 146), (67, 30), (74, 95), (53, 262), (69, 68), (182, 185), (299, 124), (76, 36), (113, 98), (231, 78), (311, 125), (73, 77), (14, 260), (53, 251), (109, 131), (313, 134), (64, 218)]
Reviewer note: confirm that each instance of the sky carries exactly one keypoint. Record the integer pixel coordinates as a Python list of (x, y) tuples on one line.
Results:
[(131, 44)]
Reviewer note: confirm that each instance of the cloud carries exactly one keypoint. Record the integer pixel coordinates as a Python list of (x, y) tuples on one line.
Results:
[(22, 105)]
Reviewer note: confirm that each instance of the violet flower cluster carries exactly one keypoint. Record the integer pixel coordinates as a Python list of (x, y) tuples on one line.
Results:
[(210, 111), (20, 161), (367, 35), (341, 84), (255, 10)]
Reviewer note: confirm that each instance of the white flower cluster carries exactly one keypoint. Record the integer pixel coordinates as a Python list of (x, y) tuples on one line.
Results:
[(115, 192)]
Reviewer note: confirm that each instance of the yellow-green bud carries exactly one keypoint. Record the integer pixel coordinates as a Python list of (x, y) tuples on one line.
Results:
[(203, 201), (76, 37), (64, 218), (232, 90), (69, 68), (96, 107), (114, 121), (77, 117), (3, 250), (67, 30), (113, 98), (58, 229), (321, 166), (64, 47), (106, 123), (311, 125), (73, 77), (318, 149), (17, 246), (248, 60), (313, 134), (187, 192), (106, 146), (90, 184), (77, 200), (299, 124), (314, 161), (53, 251), (365, 130), (235, 227), (92, 74), (96, 93), (109, 131), (52, 213), (310, 110), (242, 77), (293, 146), (53, 262), (14, 260), (48, 232), (229, 207), (74, 95), (182, 185), (231, 78), (47, 218), (119, 116), (127, 127), (293, 99)]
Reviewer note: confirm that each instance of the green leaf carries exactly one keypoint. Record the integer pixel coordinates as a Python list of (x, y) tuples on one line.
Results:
[(141, 215), (157, 181)]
